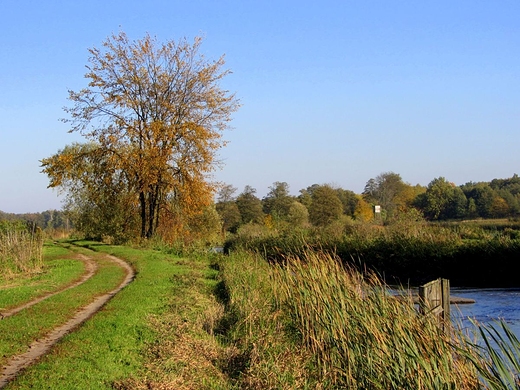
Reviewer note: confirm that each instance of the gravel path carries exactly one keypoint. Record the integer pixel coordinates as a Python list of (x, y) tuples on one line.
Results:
[(42, 346)]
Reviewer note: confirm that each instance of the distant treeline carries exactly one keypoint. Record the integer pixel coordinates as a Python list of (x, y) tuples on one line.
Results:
[(469, 234), (46, 220), (385, 198)]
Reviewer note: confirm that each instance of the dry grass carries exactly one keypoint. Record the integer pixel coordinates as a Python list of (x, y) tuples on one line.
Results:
[(21, 250), (365, 338), (186, 355), (362, 337)]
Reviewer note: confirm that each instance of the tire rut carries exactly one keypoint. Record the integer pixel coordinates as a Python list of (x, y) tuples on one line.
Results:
[(40, 347), (90, 270)]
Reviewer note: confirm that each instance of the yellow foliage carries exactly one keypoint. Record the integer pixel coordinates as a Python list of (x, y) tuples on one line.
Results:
[(155, 113), (363, 211)]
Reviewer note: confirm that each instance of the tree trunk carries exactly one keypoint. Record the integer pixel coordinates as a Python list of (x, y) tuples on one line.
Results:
[(142, 202)]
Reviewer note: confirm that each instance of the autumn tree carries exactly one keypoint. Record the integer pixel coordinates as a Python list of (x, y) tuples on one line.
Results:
[(157, 113), (364, 211), (97, 198)]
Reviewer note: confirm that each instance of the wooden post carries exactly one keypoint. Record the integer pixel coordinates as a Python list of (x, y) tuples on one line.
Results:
[(445, 286), (434, 299)]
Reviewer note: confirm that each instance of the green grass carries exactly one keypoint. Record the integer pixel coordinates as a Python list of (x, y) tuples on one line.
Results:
[(59, 270), (20, 330), (150, 333)]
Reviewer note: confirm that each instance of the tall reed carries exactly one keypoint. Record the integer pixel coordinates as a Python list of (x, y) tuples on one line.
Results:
[(21, 249), (363, 338)]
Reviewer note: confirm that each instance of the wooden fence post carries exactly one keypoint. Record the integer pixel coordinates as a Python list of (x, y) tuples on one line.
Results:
[(434, 299)]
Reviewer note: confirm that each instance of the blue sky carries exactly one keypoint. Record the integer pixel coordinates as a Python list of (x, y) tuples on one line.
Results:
[(332, 91)]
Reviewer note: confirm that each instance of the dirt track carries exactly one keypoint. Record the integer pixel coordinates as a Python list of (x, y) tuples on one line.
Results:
[(90, 270), (42, 346)]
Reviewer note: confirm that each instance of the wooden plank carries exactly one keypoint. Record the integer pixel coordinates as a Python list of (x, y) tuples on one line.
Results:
[(445, 287)]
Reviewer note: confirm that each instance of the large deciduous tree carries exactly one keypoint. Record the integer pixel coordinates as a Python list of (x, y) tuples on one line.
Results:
[(156, 113)]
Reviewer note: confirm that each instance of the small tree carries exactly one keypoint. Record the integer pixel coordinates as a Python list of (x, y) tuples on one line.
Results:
[(364, 211)]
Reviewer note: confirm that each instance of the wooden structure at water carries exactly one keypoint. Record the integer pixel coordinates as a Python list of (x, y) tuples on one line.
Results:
[(434, 299)]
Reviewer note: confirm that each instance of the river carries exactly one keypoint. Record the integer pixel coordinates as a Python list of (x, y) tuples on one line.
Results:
[(490, 304)]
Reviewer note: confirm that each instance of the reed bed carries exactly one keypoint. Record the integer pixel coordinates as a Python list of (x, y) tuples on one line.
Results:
[(310, 322), (21, 250), (404, 253), (364, 338)]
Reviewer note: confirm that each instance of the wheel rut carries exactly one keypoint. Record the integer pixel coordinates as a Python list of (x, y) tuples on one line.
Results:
[(90, 270), (40, 347)]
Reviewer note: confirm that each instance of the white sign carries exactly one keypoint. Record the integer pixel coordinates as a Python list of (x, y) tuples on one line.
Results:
[(377, 209)]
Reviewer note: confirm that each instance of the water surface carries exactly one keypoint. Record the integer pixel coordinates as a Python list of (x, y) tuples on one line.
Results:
[(490, 304)]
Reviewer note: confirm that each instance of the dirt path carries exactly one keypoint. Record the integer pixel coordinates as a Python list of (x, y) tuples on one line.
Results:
[(42, 346), (90, 270)]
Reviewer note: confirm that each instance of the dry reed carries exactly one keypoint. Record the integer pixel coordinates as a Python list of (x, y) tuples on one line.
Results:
[(364, 338), (21, 250)]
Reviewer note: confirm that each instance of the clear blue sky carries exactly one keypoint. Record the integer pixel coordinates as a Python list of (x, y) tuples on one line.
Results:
[(332, 91)]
